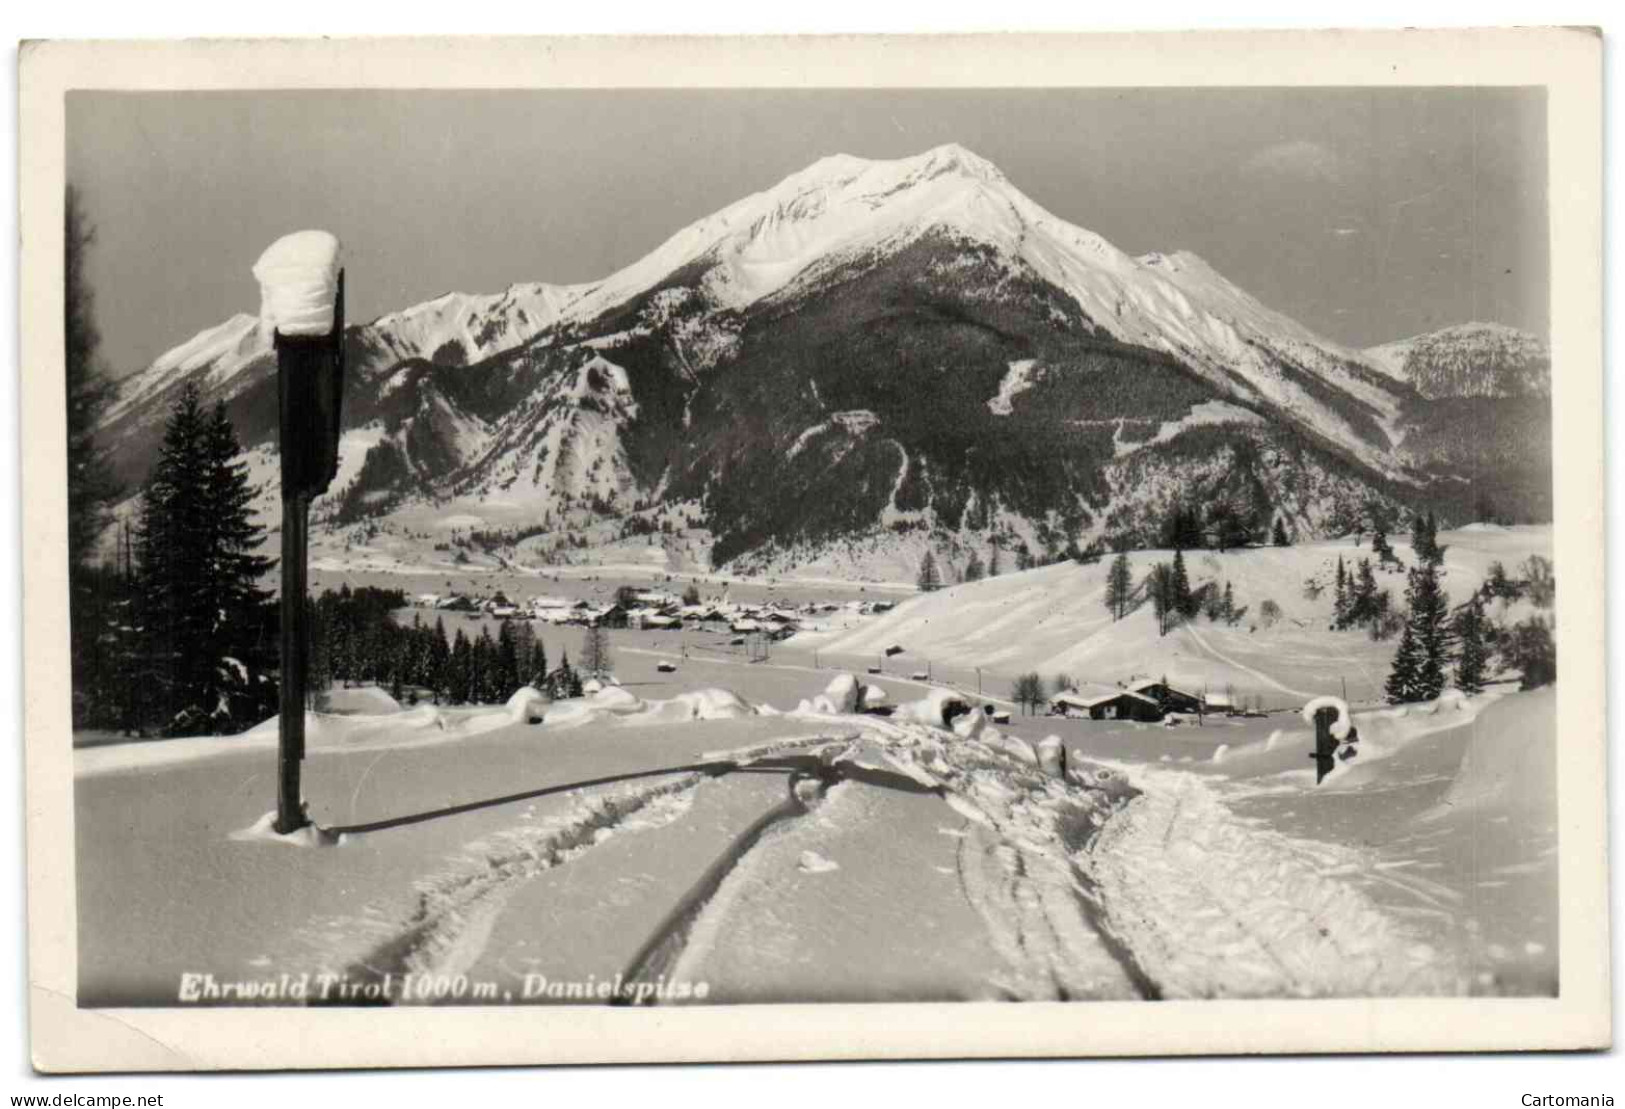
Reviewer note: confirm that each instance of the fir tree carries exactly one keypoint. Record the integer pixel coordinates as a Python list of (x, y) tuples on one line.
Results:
[(1533, 652), (1340, 599), (1381, 547), (1180, 587), (1278, 536), (595, 660), (203, 615), (1119, 587), (1402, 676), (90, 485), (486, 680), (1363, 599), (536, 665), (928, 579), (507, 662), (974, 570), (1426, 633), (101, 603), (993, 566), (460, 669), (1472, 653), (1159, 585), (1228, 608), (439, 670)]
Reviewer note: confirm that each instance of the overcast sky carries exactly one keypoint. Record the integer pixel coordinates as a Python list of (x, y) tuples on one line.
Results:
[(1369, 215)]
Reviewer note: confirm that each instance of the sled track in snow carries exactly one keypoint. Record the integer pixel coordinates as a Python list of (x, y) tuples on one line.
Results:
[(455, 911), (660, 953), (447, 931)]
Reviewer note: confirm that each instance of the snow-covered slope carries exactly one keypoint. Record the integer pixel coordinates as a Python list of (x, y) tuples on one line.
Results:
[(1053, 620), (1469, 360), (218, 352)]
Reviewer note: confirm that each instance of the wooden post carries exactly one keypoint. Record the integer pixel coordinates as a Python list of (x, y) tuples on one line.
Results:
[(310, 388), (1325, 743), (290, 812)]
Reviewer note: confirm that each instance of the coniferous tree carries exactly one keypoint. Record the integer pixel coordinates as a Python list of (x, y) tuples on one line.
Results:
[(974, 570), (1278, 535), (101, 602), (1340, 599), (1533, 652), (1425, 539), (1184, 600), (439, 676), (487, 679), (994, 568), (538, 665), (1159, 585), (595, 660), (506, 664), (1119, 586), (460, 669), (1228, 608), (928, 579), (1425, 640), (91, 488), (1472, 652), (1401, 686), (1362, 603), (1381, 547), (206, 629)]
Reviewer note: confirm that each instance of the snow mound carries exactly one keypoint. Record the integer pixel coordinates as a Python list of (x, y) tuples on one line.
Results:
[(264, 830), (526, 706), (812, 862), (1340, 726), (615, 703), (971, 725), (298, 276), (1019, 748), (1510, 762), (844, 695), (939, 708), (1052, 756)]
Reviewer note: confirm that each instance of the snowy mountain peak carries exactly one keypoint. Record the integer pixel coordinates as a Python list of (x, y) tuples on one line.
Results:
[(1470, 359), (222, 350)]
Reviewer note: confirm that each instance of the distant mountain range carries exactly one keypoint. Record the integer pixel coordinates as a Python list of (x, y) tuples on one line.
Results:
[(873, 353)]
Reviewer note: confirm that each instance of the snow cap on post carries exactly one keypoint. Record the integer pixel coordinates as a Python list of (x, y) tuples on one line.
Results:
[(299, 279)]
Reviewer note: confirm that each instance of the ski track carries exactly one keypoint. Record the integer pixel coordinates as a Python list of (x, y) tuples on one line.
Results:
[(1145, 889), (1227, 660), (457, 908), (1215, 906)]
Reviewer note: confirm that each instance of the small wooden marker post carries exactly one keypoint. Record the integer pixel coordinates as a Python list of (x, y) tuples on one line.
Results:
[(310, 391), (1325, 743)]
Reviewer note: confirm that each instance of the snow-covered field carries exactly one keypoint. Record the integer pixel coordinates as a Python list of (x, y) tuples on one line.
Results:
[(901, 859)]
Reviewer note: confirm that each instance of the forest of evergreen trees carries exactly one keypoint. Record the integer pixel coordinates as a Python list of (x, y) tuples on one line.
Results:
[(356, 639), (176, 636)]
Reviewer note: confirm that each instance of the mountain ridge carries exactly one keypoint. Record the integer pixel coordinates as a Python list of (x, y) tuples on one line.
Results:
[(911, 290)]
